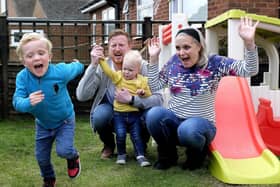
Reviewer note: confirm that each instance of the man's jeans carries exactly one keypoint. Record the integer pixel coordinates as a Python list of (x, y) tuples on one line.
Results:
[(101, 121), (64, 139), (168, 129)]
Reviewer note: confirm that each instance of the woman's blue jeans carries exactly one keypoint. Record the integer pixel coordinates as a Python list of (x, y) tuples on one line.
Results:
[(64, 140), (167, 129)]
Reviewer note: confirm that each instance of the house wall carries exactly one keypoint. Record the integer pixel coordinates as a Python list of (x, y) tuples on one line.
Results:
[(161, 12), (39, 11), (263, 7), (11, 9)]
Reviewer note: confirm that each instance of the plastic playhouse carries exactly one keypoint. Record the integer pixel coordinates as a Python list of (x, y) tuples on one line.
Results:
[(239, 153)]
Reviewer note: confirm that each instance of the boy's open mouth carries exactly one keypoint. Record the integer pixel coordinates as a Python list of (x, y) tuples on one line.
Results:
[(38, 66)]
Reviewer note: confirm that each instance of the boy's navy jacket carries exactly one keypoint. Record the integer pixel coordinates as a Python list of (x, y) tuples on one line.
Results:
[(57, 105)]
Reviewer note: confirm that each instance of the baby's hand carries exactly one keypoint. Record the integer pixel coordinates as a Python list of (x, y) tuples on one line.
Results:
[(36, 97), (140, 92)]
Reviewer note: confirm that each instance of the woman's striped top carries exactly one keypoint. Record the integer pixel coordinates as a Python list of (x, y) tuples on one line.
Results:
[(193, 89)]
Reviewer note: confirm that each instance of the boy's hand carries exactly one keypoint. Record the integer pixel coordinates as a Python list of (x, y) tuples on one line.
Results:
[(36, 97)]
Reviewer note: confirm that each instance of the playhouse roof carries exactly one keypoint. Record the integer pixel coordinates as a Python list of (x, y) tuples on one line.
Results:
[(268, 28)]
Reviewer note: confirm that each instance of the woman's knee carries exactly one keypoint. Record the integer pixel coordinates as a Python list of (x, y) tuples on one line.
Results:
[(154, 115), (192, 132)]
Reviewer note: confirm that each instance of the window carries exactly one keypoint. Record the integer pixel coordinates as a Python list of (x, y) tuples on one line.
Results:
[(144, 9), (195, 10), (108, 14), (16, 35), (93, 29), (125, 11), (2, 6)]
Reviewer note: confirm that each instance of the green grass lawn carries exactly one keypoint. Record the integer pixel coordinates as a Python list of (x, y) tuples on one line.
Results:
[(19, 168)]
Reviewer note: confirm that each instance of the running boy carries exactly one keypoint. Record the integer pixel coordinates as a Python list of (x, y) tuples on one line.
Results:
[(41, 90)]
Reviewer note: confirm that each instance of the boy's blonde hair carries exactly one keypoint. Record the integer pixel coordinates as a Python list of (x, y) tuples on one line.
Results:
[(27, 37), (133, 56)]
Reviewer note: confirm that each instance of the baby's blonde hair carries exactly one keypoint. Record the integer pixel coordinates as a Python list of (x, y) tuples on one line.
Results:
[(27, 37), (133, 56)]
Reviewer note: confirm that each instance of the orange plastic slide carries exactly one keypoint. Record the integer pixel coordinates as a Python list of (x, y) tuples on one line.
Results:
[(239, 155)]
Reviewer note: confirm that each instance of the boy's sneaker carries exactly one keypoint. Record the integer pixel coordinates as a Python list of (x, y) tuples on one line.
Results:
[(74, 167), (49, 182), (121, 159), (142, 161)]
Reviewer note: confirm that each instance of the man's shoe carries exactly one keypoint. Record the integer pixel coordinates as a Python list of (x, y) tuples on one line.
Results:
[(107, 152), (74, 167), (49, 182)]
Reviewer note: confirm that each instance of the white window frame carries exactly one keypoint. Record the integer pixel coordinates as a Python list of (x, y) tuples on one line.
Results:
[(183, 6), (144, 9), (125, 12), (93, 29), (3, 6), (15, 40), (108, 14)]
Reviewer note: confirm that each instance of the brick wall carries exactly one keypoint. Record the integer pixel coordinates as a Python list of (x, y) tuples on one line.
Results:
[(161, 10), (263, 7)]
